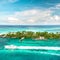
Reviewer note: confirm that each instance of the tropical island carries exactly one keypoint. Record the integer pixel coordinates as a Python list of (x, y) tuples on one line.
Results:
[(32, 35)]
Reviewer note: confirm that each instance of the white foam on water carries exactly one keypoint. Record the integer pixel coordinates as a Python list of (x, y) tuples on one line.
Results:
[(31, 47), (35, 48), (50, 53), (10, 47)]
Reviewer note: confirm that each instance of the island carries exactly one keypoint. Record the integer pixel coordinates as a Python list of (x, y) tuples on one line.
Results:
[(33, 35)]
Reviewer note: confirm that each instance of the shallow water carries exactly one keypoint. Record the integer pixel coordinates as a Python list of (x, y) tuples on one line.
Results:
[(26, 54)]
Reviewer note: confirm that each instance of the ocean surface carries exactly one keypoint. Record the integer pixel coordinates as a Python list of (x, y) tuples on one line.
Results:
[(29, 54), (35, 28)]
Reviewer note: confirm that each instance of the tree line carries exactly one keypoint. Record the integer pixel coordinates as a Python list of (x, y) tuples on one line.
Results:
[(30, 34)]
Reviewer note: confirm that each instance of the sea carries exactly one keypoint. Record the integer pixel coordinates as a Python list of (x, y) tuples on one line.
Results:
[(29, 54)]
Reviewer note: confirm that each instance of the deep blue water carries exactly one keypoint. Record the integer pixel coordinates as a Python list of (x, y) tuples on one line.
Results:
[(17, 54), (40, 28)]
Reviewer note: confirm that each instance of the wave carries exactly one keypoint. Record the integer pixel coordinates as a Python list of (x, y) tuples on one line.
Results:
[(50, 53), (31, 47)]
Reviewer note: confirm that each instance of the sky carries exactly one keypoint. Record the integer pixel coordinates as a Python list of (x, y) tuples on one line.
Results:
[(29, 12)]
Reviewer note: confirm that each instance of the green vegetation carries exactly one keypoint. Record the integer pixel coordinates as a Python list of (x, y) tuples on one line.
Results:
[(33, 35)]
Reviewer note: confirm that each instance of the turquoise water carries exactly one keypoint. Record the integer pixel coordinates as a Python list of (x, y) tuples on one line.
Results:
[(16, 54), (32, 54)]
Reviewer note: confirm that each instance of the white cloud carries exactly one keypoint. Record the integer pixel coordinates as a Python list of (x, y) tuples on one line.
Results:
[(27, 12), (57, 17), (13, 20), (56, 7), (33, 17), (29, 17)]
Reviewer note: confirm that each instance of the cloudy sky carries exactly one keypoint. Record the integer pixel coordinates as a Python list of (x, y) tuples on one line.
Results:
[(29, 12)]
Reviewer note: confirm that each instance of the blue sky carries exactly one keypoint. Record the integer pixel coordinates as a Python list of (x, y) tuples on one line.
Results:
[(29, 12)]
